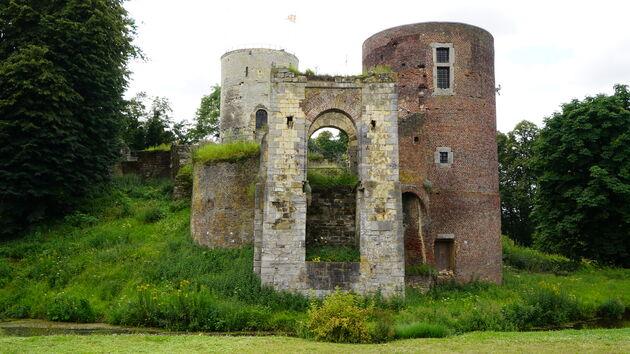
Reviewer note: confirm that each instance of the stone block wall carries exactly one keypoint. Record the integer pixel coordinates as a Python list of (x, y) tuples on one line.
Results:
[(222, 213), (323, 276), (154, 164), (331, 217), (284, 217)]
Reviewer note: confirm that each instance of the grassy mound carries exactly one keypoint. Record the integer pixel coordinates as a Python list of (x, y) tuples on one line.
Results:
[(126, 257), (227, 152)]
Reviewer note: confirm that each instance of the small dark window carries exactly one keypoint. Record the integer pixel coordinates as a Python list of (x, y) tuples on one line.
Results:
[(443, 77), (373, 124), (261, 118), (290, 122), (443, 157), (246, 71), (442, 55), (416, 139)]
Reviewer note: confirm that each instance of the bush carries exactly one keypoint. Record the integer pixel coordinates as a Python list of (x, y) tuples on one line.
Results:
[(421, 330), (535, 261), (382, 326), (227, 152), (70, 309), (333, 254), (150, 214), (315, 156), (179, 205), (612, 309), (339, 319), (543, 306)]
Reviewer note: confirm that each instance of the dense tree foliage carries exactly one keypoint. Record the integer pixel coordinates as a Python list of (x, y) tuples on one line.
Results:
[(62, 76), (146, 127), (332, 147), (582, 159), (517, 181), (206, 123)]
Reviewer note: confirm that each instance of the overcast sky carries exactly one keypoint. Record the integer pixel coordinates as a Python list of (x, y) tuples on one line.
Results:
[(546, 52)]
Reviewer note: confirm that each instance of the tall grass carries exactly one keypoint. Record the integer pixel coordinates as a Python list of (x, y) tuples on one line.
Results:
[(536, 261), (161, 147), (227, 152), (332, 177)]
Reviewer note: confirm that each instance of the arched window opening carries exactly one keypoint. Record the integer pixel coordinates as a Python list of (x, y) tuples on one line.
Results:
[(261, 119)]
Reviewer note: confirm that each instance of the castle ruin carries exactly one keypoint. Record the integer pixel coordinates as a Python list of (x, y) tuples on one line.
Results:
[(421, 141)]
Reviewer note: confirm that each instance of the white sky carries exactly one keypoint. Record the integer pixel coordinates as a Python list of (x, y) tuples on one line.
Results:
[(546, 52)]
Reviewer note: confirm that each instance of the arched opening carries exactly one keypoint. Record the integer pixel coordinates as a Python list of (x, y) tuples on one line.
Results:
[(261, 119), (415, 254), (331, 232)]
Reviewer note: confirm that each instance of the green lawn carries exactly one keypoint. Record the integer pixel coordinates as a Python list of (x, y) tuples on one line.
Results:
[(567, 341)]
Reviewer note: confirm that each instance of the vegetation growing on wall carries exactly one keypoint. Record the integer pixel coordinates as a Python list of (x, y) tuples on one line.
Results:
[(227, 152)]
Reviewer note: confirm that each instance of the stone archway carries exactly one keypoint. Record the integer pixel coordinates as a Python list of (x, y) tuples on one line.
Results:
[(335, 118), (415, 253)]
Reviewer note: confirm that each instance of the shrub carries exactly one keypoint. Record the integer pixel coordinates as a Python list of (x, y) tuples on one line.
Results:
[(611, 309), (179, 205), (227, 152), (536, 261), (339, 319), (382, 326), (79, 219), (315, 156), (333, 254), (150, 214), (543, 306), (67, 308), (421, 330)]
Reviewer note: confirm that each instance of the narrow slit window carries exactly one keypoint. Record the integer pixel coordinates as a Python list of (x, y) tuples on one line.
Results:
[(246, 71), (443, 77), (442, 55), (261, 119), (443, 157)]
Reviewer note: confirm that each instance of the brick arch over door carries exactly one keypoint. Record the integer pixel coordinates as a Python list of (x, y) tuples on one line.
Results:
[(341, 120), (319, 100)]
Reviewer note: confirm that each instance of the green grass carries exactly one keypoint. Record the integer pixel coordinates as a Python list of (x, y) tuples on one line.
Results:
[(536, 261), (126, 257), (161, 147), (333, 254), (332, 177), (132, 234), (567, 341), (227, 152)]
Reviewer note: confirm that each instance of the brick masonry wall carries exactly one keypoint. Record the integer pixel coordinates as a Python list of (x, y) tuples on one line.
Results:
[(464, 200), (330, 217), (222, 214)]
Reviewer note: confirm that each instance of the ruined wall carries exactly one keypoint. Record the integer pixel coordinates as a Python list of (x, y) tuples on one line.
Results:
[(222, 213), (464, 200), (283, 236), (245, 87), (331, 217), (154, 164)]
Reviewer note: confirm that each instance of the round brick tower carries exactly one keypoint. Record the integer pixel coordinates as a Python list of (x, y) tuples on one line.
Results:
[(447, 140), (245, 87)]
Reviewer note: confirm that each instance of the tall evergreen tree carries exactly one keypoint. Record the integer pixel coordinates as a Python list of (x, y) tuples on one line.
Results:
[(62, 75), (582, 158)]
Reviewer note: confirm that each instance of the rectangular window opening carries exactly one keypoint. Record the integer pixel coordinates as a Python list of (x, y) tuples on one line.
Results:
[(442, 55), (443, 157), (443, 77)]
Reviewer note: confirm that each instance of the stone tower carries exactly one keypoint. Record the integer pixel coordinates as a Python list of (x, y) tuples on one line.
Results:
[(245, 87), (447, 142)]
